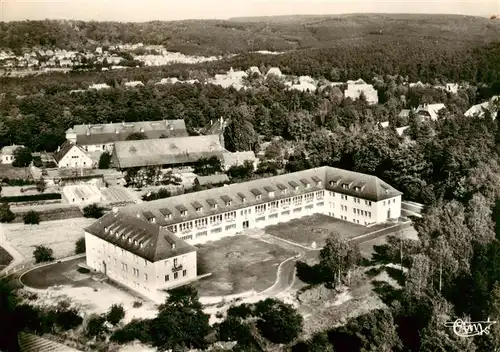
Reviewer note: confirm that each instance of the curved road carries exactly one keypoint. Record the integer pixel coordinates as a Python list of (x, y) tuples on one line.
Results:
[(286, 273)]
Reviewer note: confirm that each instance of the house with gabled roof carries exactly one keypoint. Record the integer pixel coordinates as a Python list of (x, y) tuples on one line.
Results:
[(143, 245), (70, 155)]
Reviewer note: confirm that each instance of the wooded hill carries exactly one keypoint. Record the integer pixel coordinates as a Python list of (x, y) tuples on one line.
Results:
[(216, 37)]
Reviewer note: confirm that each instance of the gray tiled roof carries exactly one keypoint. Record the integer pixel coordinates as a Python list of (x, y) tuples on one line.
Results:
[(107, 133), (371, 188), (65, 148), (212, 179), (156, 242), (181, 150)]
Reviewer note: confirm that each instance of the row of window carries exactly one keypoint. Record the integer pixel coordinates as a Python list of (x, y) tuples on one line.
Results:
[(362, 212), (355, 199), (176, 275)]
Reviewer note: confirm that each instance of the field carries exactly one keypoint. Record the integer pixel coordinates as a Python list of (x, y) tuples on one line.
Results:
[(60, 235), (11, 172), (317, 228), (238, 264)]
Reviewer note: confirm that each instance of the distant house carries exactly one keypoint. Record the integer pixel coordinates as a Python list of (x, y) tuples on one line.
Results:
[(179, 151), (211, 180), (452, 88), (356, 88), (99, 138), (8, 153), (274, 71), (70, 155), (429, 111), (254, 69), (480, 109), (134, 84), (99, 86), (405, 113), (238, 158)]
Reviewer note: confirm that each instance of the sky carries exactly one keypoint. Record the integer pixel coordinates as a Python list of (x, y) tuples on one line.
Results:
[(148, 10)]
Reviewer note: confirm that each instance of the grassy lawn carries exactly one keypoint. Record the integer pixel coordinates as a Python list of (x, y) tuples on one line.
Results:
[(11, 172), (60, 235), (238, 264), (5, 258), (317, 228)]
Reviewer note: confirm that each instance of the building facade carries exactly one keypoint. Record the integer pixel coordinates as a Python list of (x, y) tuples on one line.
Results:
[(72, 156), (121, 243), (140, 256), (8, 153)]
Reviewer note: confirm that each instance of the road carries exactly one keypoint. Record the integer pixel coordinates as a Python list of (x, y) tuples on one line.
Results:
[(286, 273)]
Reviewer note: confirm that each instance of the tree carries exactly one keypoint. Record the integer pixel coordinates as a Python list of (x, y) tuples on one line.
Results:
[(104, 161), (181, 322), (31, 217), (96, 327), (274, 151), (279, 322), (93, 211), (318, 343), (115, 314), (80, 246), (11, 324), (40, 185), (135, 136), (208, 166), (67, 319), (22, 157), (135, 330), (339, 256), (6, 215), (239, 134), (43, 254)]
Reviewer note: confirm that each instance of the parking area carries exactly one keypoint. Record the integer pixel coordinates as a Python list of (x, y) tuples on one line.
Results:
[(316, 228)]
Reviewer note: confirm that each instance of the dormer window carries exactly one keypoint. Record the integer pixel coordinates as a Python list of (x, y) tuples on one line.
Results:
[(123, 237), (182, 210), (256, 193), (317, 180), (333, 183), (357, 189), (305, 182), (270, 191), (345, 186), (129, 240), (106, 230), (197, 207), (213, 204), (242, 197), (173, 246), (227, 200), (141, 244), (135, 242)]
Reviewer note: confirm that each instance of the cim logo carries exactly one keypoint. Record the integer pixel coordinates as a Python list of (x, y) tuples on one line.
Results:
[(464, 328)]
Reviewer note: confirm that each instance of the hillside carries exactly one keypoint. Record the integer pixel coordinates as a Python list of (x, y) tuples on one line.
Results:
[(247, 34)]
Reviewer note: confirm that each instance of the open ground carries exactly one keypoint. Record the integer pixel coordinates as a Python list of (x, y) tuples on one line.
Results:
[(11, 172), (62, 281), (317, 228), (238, 264), (59, 235)]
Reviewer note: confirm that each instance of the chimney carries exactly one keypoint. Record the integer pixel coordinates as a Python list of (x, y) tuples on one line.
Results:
[(211, 122), (58, 149), (173, 246), (117, 131), (115, 210), (123, 123)]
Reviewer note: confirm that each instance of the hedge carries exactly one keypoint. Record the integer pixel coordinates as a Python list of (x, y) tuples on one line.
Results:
[(31, 198), (17, 182)]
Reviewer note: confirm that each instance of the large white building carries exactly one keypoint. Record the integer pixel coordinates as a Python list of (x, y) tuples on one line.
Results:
[(137, 239), (357, 88)]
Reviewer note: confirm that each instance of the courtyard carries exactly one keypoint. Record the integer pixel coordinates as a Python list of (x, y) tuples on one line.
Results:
[(316, 228), (62, 282), (238, 264), (59, 235)]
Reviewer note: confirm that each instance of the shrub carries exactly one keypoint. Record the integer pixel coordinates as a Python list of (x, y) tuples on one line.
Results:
[(68, 319), (43, 254), (93, 211), (40, 185), (31, 198), (31, 218), (80, 246), (116, 314), (22, 157), (17, 182), (137, 304), (135, 330), (96, 327), (6, 215), (83, 270)]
